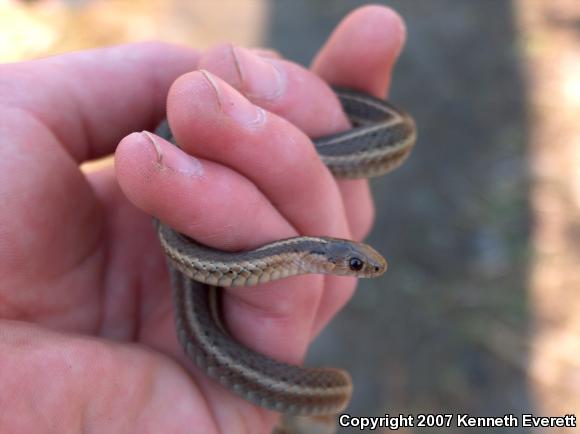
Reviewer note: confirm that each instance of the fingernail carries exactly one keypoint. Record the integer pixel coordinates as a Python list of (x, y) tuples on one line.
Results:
[(173, 158), (232, 103), (262, 77), (265, 52)]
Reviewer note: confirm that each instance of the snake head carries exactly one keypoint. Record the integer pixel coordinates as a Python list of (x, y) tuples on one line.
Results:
[(355, 259)]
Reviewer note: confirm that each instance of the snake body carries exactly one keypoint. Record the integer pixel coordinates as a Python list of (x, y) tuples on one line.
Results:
[(381, 138)]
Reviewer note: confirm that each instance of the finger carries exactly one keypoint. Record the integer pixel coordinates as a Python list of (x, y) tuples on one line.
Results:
[(359, 54), (195, 196), (211, 120), (280, 87), (362, 50), (89, 100), (219, 207)]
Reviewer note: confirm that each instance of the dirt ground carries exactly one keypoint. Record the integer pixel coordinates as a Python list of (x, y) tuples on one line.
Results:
[(478, 312)]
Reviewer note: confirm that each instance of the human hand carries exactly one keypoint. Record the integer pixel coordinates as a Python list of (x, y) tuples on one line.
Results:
[(94, 346)]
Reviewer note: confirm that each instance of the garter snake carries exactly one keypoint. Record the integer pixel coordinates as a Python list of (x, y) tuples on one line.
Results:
[(380, 140)]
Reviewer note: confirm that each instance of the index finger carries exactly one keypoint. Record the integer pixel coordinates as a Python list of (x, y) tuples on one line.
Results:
[(91, 99)]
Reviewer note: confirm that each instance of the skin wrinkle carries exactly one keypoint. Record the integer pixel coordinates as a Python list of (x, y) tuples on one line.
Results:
[(102, 278), (135, 286), (53, 315), (153, 88), (122, 287), (180, 410), (92, 253), (78, 110), (138, 383), (244, 88), (90, 249), (99, 244), (88, 153), (238, 68), (277, 312), (134, 283), (93, 410), (223, 415), (159, 93), (25, 113), (237, 413), (247, 426), (146, 391), (205, 398), (24, 78)]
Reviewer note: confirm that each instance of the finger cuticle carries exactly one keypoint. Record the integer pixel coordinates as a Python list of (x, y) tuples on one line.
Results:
[(151, 139), (261, 77), (174, 159), (233, 104)]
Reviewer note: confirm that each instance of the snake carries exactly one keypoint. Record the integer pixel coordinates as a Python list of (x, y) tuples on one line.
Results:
[(380, 139)]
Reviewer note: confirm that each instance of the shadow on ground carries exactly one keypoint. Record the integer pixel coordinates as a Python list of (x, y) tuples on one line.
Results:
[(444, 331)]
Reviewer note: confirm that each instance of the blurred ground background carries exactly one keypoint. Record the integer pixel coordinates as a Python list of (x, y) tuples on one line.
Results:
[(478, 312)]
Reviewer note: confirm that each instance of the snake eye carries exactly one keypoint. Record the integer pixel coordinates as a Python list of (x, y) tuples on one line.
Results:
[(355, 264)]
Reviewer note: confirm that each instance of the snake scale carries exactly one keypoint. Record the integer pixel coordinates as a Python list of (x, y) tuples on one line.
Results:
[(380, 140)]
